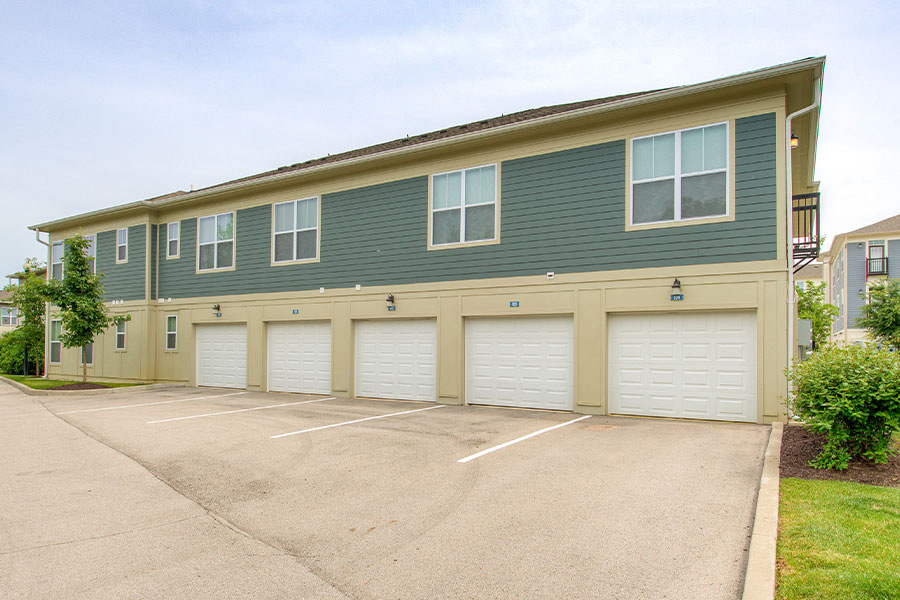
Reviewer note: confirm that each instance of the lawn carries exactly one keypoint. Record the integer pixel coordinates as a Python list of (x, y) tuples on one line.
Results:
[(838, 539), (48, 384)]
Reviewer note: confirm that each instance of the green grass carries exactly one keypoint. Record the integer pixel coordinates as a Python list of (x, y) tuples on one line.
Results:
[(37, 383), (838, 540)]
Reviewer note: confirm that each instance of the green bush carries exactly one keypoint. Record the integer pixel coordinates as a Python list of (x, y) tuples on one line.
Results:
[(852, 395), (12, 353)]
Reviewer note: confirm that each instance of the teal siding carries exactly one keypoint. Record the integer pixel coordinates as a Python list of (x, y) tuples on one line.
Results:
[(154, 243), (562, 212), (125, 281)]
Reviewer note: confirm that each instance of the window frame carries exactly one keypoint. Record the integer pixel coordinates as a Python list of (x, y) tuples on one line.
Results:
[(120, 261), (173, 332), (58, 341), (62, 245), (216, 243), (123, 334), (176, 239), (462, 209), (677, 178), (11, 317), (318, 229)]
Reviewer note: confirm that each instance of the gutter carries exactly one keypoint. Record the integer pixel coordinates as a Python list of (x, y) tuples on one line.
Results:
[(669, 94)]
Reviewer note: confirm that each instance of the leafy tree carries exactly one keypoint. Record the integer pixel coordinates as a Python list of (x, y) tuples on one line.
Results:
[(28, 297), (881, 315), (811, 305), (79, 298)]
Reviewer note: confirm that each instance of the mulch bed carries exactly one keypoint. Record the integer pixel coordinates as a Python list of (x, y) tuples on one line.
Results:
[(800, 445), (81, 386)]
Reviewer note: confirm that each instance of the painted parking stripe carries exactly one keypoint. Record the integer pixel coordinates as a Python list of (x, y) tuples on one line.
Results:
[(240, 410), (405, 412), (521, 439), (87, 410)]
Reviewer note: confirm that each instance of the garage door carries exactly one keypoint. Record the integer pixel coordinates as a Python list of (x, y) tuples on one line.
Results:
[(396, 359), (299, 357), (222, 355), (691, 365), (520, 361)]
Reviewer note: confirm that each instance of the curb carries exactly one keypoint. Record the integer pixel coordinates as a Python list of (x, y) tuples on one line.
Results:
[(33, 392), (759, 581)]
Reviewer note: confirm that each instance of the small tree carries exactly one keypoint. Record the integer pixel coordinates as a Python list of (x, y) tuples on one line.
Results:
[(79, 297), (881, 315), (811, 305), (28, 297)]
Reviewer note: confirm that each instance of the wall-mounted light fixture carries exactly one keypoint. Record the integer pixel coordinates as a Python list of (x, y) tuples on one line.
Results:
[(676, 286), (217, 308), (390, 299), (859, 245), (795, 141)]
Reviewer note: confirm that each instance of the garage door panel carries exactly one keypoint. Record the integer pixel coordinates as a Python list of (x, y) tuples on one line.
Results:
[(396, 359), (222, 355), (299, 357)]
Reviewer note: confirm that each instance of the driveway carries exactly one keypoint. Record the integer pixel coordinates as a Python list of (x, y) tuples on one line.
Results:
[(187, 492)]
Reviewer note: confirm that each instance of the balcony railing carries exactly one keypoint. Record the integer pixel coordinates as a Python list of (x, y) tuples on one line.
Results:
[(805, 229), (877, 266)]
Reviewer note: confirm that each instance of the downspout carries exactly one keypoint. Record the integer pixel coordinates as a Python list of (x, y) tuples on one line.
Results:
[(791, 292), (37, 236)]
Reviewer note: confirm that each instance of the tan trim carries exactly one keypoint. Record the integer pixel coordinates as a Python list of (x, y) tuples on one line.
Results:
[(463, 244), (318, 258), (197, 269), (166, 238), (126, 244)]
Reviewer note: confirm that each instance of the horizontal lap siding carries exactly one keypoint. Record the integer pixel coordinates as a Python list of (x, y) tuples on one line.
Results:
[(562, 212), (124, 281), (856, 281)]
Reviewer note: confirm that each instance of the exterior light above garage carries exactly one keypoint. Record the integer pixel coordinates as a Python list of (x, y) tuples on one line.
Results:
[(676, 291)]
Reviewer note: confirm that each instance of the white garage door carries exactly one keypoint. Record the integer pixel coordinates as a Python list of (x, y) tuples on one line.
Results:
[(222, 355), (396, 359), (299, 357), (690, 365), (520, 361)]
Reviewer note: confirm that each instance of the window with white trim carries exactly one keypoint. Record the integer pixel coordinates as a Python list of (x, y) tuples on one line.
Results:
[(57, 252), (464, 206), (92, 252), (171, 332), (55, 343), (9, 316), (680, 175), (215, 242), (173, 239), (295, 230), (120, 334), (122, 245), (87, 354)]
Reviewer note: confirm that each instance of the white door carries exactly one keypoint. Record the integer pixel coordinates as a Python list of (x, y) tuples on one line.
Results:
[(396, 359), (222, 355), (299, 357), (520, 361), (688, 365)]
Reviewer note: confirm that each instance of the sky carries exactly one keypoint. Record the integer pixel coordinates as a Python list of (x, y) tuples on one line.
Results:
[(103, 103)]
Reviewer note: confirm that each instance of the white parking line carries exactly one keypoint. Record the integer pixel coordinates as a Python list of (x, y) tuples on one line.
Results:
[(240, 410), (86, 410), (405, 412), (520, 439)]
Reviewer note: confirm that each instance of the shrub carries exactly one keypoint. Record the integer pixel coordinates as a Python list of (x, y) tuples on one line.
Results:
[(852, 395), (12, 352)]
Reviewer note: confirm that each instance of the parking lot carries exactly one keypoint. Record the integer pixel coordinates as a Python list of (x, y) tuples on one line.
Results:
[(206, 492)]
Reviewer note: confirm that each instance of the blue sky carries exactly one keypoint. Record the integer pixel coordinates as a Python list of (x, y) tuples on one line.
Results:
[(109, 102)]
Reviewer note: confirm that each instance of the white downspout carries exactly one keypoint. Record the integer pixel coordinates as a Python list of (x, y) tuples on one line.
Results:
[(37, 236), (817, 99)]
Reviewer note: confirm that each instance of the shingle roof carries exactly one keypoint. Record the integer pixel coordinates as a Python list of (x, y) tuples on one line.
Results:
[(810, 271), (516, 117), (884, 226)]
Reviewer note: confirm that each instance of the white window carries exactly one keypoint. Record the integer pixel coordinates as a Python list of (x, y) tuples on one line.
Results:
[(122, 245), (295, 230), (173, 240), (56, 260), (680, 175), (215, 242), (55, 344), (171, 332), (120, 334), (464, 206), (9, 316), (92, 252), (86, 357)]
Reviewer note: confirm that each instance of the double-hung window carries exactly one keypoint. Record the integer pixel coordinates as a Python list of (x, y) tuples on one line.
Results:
[(92, 252), (55, 343), (295, 231), (122, 245), (464, 206), (172, 332), (680, 175), (56, 260), (120, 334), (173, 238), (215, 242), (9, 316)]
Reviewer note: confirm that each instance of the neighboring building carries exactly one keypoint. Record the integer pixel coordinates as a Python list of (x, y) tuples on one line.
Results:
[(854, 262), (9, 315), (811, 273), (526, 260)]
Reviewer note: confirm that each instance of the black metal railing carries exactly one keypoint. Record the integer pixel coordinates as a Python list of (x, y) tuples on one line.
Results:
[(877, 266), (806, 236)]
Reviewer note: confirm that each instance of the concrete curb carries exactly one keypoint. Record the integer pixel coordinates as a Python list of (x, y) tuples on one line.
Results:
[(32, 392), (759, 581)]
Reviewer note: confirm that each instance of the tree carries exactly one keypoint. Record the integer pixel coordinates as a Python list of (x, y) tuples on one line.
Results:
[(881, 315), (28, 297), (811, 305), (79, 298)]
